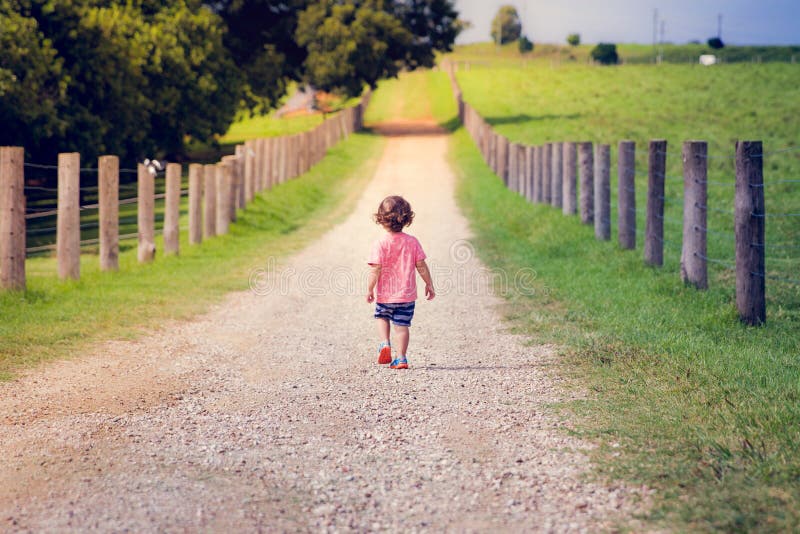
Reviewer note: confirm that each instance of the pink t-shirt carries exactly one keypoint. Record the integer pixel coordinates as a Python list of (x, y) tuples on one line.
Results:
[(397, 253)]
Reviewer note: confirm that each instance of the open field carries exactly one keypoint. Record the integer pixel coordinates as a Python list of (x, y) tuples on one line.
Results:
[(676, 103), (685, 399), (54, 318), (484, 54)]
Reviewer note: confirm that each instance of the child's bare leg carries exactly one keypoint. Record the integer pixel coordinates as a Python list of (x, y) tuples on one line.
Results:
[(401, 338), (383, 329)]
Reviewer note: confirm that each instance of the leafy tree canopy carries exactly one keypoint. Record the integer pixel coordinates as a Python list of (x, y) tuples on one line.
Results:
[(716, 43), (127, 78), (605, 54), (574, 39), (525, 45), (138, 78), (506, 26)]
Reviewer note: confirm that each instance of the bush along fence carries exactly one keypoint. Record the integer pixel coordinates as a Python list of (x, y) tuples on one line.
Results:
[(215, 193), (576, 178)]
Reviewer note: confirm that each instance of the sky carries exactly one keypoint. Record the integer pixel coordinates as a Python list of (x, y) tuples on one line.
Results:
[(744, 22)]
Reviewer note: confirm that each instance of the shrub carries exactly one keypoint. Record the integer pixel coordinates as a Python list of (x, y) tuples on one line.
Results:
[(574, 39), (605, 54), (525, 44)]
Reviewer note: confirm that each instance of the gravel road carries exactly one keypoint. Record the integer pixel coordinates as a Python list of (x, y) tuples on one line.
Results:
[(269, 413)]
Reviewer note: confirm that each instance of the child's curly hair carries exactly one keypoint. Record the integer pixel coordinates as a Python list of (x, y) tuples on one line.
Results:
[(394, 213)]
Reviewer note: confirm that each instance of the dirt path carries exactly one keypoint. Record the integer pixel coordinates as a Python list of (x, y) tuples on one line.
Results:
[(269, 413)]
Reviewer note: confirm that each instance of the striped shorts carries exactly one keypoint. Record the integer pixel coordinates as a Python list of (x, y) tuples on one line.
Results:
[(399, 313)]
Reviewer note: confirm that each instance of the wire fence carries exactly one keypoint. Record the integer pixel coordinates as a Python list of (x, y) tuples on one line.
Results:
[(710, 213), (94, 206)]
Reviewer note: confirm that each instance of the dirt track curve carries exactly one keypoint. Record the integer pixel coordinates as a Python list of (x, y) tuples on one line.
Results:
[(269, 413)]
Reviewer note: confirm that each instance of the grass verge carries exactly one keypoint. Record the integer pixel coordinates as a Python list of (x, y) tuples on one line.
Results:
[(684, 398), (57, 319)]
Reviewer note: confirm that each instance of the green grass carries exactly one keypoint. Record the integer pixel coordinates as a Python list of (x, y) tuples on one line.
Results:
[(269, 126), (413, 96), (702, 408), (57, 319)]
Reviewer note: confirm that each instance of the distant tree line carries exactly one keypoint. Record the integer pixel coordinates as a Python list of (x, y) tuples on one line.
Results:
[(141, 77)]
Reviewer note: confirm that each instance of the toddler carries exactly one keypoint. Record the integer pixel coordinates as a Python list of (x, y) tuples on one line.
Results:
[(392, 278)]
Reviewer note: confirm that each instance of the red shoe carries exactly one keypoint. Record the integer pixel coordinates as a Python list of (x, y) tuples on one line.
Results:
[(399, 364), (384, 353)]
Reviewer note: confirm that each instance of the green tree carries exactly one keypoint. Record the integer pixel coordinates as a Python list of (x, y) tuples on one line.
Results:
[(716, 43), (127, 78), (574, 39), (434, 26), (195, 85), (506, 26), (525, 45), (32, 85), (260, 36), (605, 54), (351, 45)]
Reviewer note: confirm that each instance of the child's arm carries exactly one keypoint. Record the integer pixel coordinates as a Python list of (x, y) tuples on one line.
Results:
[(374, 273), (424, 272)]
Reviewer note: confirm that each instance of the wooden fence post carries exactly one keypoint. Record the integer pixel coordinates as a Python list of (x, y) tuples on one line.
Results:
[(529, 164), (172, 209), (209, 201), (522, 165), (145, 215), (269, 171), (241, 194), (249, 171), (602, 193), (195, 203), (750, 219), (513, 160), (283, 142), (108, 200), (291, 156), (502, 158), (224, 176), (232, 166), (538, 186), (586, 162), (626, 194), (301, 150), (547, 174), (570, 177), (68, 233), (258, 162), (12, 217), (254, 182), (654, 226), (493, 151), (694, 268), (557, 186), (275, 157)]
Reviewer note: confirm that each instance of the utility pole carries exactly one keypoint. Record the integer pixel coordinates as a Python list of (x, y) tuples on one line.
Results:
[(719, 26), (661, 41), (655, 33)]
